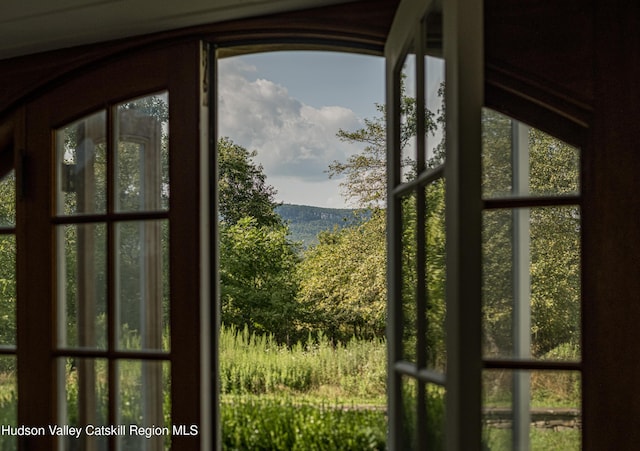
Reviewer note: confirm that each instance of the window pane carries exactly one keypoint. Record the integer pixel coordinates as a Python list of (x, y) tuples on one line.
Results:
[(435, 415), (409, 280), (8, 200), (549, 274), (408, 118), (435, 275), (7, 290), (434, 126), (546, 166), (142, 284), (497, 283), (144, 402), (8, 401), (82, 286), (409, 413), (81, 166), (549, 406), (142, 165), (84, 394)]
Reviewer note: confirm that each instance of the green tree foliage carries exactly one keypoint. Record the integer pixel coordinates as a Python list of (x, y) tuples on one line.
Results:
[(554, 238), (555, 249), (258, 279), (7, 264), (257, 259), (366, 172), (242, 188), (344, 277), (343, 286), (435, 273)]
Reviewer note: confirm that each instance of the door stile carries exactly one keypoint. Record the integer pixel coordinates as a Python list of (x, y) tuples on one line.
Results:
[(178, 70), (463, 52), (35, 280)]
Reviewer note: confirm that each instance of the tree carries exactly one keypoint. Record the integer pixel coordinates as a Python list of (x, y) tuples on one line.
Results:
[(258, 278), (554, 236), (344, 277), (242, 188), (366, 172), (342, 281), (555, 254), (257, 259)]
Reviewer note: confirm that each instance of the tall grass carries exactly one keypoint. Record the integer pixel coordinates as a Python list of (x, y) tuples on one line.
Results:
[(266, 423), (255, 364), (311, 396)]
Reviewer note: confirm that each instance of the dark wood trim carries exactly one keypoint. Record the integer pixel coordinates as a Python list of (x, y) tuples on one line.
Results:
[(190, 337), (176, 69), (537, 105), (549, 44), (611, 241), (6, 146), (36, 279), (539, 64), (361, 25)]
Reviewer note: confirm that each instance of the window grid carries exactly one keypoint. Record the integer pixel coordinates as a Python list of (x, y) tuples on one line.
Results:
[(401, 192), (522, 364), (113, 354)]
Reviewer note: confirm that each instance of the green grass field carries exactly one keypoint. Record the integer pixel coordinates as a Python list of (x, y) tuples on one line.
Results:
[(317, 396)]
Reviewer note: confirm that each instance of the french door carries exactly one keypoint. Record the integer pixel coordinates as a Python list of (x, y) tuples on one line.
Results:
[(434, 272), (113, 312), (484, 240)]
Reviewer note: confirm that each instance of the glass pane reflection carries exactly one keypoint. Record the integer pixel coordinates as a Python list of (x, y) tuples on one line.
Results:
[(435, 275), (409, 280), (81, 166), (548, 412), (142, 281), (142, 156), (143, 401), (553, 297), (82, 286), (8, 200), (84, 395), (7, 290), (8, 400), (552, 167)]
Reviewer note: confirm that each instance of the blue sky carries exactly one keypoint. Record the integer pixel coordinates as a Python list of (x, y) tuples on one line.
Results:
[(325, 78), (288, 106)]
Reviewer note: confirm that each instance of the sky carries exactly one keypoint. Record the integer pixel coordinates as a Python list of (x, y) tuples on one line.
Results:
[(288, 106)]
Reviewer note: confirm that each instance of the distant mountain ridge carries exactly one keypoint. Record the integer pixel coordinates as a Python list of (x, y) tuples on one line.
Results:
[(305, 221)]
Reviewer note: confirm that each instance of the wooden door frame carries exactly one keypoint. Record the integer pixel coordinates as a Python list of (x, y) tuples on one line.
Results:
[(179, 69)]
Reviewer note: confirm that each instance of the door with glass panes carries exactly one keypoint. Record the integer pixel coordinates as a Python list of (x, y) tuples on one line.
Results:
[(112, 258), (484, 260), (434, 64)]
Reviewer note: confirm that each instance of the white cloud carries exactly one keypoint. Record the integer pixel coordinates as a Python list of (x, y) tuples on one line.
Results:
[(293, 140)]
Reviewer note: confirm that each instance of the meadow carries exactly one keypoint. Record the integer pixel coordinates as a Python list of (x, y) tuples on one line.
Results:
[(313, 396), (319, 396)]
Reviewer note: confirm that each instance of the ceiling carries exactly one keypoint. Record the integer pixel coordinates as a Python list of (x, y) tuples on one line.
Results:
[(30, 26)]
